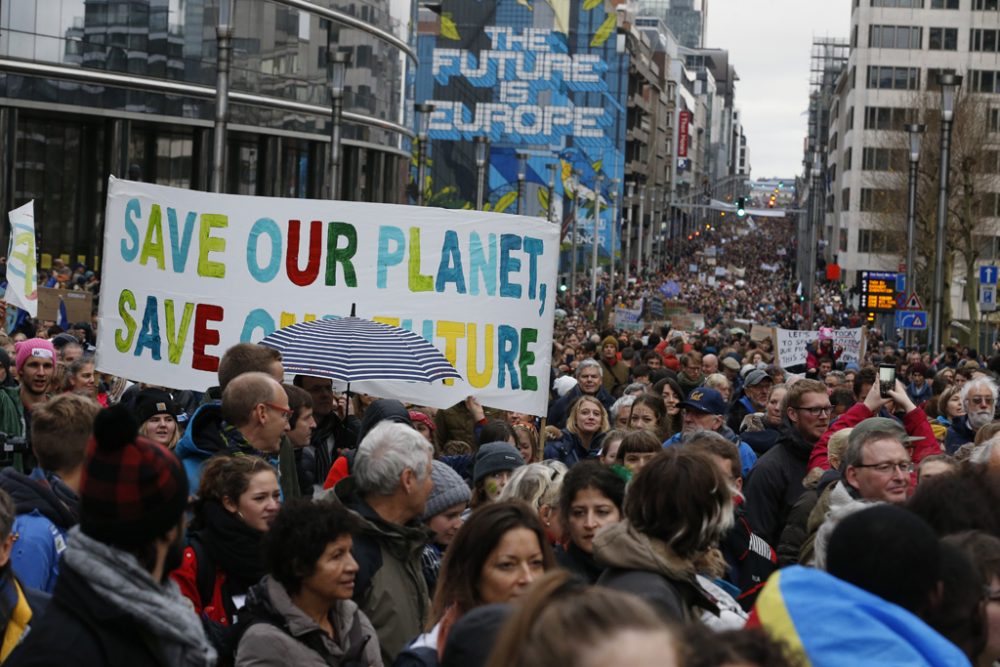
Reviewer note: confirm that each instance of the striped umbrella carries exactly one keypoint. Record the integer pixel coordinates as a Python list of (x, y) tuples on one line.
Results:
[(352, 349)]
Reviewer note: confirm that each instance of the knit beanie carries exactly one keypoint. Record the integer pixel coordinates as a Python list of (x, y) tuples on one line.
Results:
[(132, 489), (610, 340), (33, 347), (151, 402), (449, 490), (417, 416), (494, 457)]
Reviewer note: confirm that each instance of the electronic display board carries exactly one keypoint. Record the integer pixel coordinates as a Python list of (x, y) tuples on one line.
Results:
[(878, 291)]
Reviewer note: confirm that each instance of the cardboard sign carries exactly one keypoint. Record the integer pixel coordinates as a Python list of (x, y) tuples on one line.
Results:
[(22, 265), (79, 305)]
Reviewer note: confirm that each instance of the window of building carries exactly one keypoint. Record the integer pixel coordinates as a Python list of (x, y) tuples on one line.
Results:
[(943, 39), (985, 81), (886, 118), (875, 200), (894, 37), (985, 5), (845, 199), (989, 164), (911, 4), (893, 78), (984, 40), (989, 205), (848, 154), (944, 4), (850, 118), (872, 240), (882, 159), (993, 119)]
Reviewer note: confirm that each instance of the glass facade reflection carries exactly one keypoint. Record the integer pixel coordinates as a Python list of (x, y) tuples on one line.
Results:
[(64, 135)]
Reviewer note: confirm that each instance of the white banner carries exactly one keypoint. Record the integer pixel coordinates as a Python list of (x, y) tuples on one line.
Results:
[(187, 274), (852, 341), (792, 346), (22, 267), (629, 319)]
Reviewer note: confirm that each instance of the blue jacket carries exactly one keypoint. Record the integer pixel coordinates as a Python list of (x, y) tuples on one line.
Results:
[(920, 395), (748, 456), (570, 449), (958, 434)]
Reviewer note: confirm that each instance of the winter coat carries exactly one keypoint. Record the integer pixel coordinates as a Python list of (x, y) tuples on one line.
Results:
[(749, 558), (738, 410), (14, 623), (46, 508), (570, 449), (615, 376), (390, 587), (82, 629), (267, 644), (775, 483), (687, 384), (919, 395), (579, 562), (958, 434), (797, 530), (747, 456), (559, 411), (645, 566)]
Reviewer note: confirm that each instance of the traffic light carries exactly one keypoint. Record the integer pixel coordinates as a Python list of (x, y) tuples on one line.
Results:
[(741, 209)]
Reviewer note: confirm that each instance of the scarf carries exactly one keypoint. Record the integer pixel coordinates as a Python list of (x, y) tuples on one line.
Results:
[(234, 547), (117, 578), (16, 623)]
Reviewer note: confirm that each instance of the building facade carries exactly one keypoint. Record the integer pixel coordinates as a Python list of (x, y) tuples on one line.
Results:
[(92, 88)]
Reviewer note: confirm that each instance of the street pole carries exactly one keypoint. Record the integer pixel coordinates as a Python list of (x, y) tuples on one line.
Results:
[(338, 72), (629, 194), (642, 229), (949, 82), (916, 132), (522, 166), (572, 238), (482, 156), (224, 33), (614, 228), (423, 136), (814, 223), (552, 190), (595, 239)]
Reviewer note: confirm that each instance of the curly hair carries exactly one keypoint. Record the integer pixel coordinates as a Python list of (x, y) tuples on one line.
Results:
[(299, 536)]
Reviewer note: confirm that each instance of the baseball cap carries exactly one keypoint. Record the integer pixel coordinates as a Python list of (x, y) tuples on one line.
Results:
[(756, 377), (705, 399)]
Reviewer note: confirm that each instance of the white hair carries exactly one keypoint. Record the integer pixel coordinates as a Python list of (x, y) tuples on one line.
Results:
[(979, 382), (537, 484), (623, 402), (386, 452), (589, 363), (982, 452)]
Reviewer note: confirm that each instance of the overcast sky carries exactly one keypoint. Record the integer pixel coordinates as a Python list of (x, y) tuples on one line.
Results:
[(769, 43)]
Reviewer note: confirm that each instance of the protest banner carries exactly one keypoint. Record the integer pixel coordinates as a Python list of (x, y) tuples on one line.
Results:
[(79, 305), (687, 322), (22, 264), (628, 319), (792, 346), (760, 332), (187, 274), (852, 343)]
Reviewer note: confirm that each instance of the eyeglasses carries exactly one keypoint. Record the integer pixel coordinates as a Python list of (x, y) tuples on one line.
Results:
[(286, 413), (887, 467), (818, 410), (981, 400)]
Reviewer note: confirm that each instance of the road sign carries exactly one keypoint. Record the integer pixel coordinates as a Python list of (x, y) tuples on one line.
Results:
[(911, 319), (878, 291), (987, 298), (988, 275), (913, 303), (901, 280)]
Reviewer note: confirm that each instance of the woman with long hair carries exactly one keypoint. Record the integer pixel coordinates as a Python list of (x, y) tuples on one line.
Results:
[(238, 500), (585, 428), (494, 558), (649, 413), (670, 391), (157, 415), (592, 497)]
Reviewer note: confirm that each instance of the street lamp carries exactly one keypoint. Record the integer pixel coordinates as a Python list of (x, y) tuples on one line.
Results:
[(338, 72), (949, 84), (522, 170), (552, 191), (614, 228), (916, 133), (595, 238), (224, 33), (572, 234), (482, 157), (627, 261), (425, 110), (642, 230), (817, 209)]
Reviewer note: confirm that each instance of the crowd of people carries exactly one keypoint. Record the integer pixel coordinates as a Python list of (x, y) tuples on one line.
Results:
[(684, 501)]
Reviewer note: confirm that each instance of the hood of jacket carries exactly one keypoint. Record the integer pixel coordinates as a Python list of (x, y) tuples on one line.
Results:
[(384, 409), (761, 441), (402, 541), (793, 442), (622, 546), (47, 494), (203, 436)]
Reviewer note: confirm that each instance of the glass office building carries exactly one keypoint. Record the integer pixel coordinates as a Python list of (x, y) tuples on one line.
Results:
[(90, 88)]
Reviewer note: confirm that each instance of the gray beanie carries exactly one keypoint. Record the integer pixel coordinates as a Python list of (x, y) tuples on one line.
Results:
[(449, 489), (494, 457)]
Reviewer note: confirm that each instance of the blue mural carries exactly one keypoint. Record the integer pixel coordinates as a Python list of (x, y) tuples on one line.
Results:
[(542, 78)]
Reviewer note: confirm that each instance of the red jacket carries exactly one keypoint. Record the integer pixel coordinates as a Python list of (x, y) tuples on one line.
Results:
[(915, 422), (186, 577)]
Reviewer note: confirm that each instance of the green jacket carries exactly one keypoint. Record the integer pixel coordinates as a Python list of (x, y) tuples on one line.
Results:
[(12, 420), (390, 587)]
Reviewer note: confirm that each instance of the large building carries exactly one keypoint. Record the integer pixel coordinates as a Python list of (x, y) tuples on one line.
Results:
[(90, 88), (687, 19), (898, 48)]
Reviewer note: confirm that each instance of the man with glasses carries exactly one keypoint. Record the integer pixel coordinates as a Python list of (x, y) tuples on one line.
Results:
[(979, 396), (876, 463), (775, 482)]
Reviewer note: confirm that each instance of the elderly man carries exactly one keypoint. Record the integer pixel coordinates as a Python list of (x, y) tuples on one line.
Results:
[(705, 410), (979, 397), (388, 490), (756, 388), (588, 382), (254, 415), (709, 364)]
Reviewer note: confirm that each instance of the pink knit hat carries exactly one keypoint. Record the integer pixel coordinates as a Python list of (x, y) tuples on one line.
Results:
[(33, 347)]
